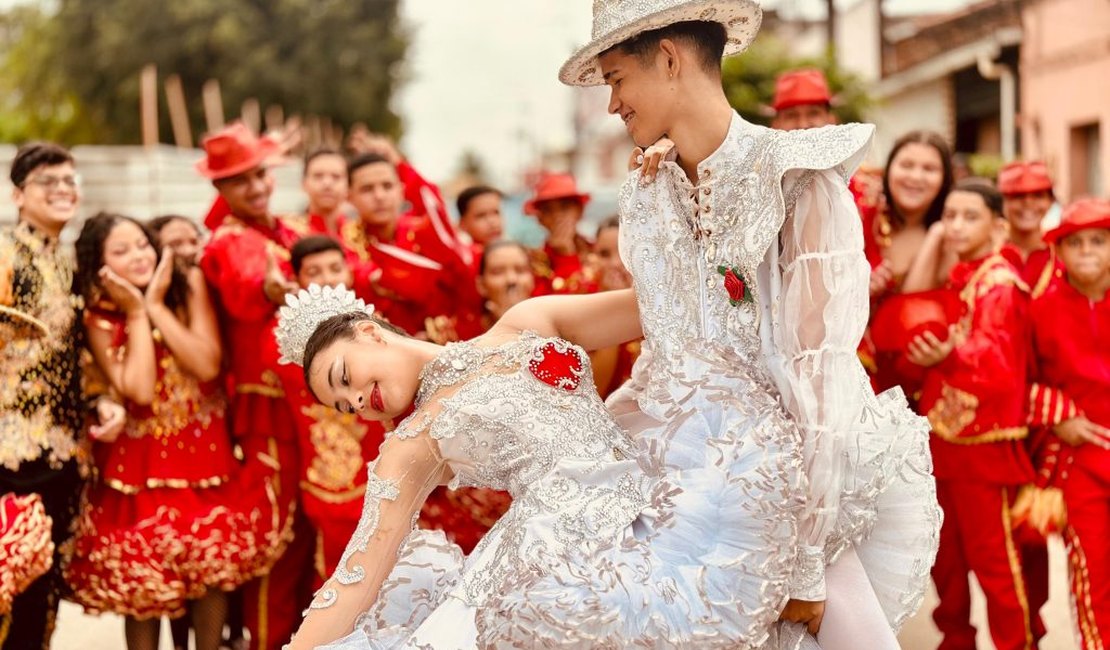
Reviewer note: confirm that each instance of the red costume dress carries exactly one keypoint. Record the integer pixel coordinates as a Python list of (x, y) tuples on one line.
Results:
[(425, 271), (26, 550), (334, 450), (262, 423), (1071, 343), (975, 400), (167, 515)]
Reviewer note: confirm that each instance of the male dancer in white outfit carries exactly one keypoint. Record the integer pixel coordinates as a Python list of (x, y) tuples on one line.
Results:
[(764, 220)]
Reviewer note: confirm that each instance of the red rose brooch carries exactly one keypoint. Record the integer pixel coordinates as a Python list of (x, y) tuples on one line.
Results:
[(737, 289)]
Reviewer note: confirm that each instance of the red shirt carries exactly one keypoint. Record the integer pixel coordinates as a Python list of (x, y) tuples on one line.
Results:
[(1071, 358), (234, 264), (559, 273), (1036, 270), (425, 270), (976, 399)]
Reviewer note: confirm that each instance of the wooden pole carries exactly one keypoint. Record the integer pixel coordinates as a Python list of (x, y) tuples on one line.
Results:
[(275, 117), (252, 114), (213, 105), (179, 112), (148, 104)]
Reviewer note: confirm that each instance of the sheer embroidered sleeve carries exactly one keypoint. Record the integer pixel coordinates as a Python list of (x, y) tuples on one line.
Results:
[(408, 468), (820, 314)]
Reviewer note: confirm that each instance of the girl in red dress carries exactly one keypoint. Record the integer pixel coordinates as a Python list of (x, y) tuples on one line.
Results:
[(167, 518)]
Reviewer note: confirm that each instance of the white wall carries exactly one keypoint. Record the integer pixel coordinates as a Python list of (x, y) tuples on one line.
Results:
[(145, 183), (925, 106)]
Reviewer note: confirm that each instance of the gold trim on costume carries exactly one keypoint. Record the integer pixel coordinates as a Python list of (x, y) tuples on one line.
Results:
[(1081, 591), (1015, 569), (334, 497)]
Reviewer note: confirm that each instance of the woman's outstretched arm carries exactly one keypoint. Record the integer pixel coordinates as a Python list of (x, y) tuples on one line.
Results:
[(594, 321)]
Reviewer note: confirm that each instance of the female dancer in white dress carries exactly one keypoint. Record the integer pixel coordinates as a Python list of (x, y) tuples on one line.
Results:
[(583, 558), (747, 254)]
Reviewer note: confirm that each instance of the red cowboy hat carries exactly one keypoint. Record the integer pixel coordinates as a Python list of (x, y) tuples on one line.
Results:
[(1024, 178), (233, 150), (798, 87), (1081, 215), (552, 187)]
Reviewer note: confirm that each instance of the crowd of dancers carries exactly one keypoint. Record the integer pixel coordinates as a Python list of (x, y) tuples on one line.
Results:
[(158, 459)]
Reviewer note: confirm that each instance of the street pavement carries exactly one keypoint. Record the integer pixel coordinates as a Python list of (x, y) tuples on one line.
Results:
[(77, 631)]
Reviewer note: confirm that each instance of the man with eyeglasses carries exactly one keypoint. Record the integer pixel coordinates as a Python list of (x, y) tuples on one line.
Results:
[(43, 404)]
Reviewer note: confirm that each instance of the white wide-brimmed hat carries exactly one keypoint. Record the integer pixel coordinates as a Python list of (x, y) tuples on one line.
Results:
[(616, 21)]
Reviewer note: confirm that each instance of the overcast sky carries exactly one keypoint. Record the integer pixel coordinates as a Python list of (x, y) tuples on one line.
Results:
[(483, 77)]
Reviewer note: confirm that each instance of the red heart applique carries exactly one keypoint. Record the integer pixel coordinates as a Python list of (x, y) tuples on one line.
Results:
[(559, 368)]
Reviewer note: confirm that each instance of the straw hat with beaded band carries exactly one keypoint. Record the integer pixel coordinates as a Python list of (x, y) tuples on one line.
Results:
[(616, 21)]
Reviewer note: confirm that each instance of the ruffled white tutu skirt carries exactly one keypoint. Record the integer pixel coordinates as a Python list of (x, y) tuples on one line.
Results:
[(704, 564)]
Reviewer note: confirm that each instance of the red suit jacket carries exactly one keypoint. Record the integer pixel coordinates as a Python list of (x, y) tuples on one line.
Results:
[(1071, 371), (426, 271), (976, 399), (234, 264)]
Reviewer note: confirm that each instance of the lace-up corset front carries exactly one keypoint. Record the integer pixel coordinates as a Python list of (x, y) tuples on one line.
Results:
[(680, 240), (504, 416)]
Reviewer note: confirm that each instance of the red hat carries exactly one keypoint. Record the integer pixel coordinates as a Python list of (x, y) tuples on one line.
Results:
[(797, 87), (554, 186), (233, 150), (1024, 178), (1080, 215)]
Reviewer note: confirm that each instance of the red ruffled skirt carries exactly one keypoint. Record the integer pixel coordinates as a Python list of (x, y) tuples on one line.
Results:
[(26, 547), (143, 551)]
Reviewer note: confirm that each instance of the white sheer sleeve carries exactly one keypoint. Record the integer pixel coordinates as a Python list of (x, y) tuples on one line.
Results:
[(407, 469), (819, 280)]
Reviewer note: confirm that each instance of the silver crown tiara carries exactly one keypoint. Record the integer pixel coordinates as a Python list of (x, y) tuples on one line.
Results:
[(305, 311)]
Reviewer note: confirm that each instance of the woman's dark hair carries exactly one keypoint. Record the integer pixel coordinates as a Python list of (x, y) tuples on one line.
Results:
[(90, 257), (984, 188), (496, 246), (936, 209), (612, 222), (708, 39), (158, 223), (340, 327)]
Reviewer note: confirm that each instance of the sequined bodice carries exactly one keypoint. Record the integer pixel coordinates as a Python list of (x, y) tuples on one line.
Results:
[(504, 416), (678, 239)]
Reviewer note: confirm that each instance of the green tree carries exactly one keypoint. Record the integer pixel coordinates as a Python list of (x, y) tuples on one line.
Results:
[(749, 81), (35, 100), (339, 59)]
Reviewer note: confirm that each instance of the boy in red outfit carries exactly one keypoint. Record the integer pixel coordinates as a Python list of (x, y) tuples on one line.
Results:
[(1071, 344), (560, 266), (420, 244), (245, 264), (334, 446), (975, 398), (1026, 198)]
